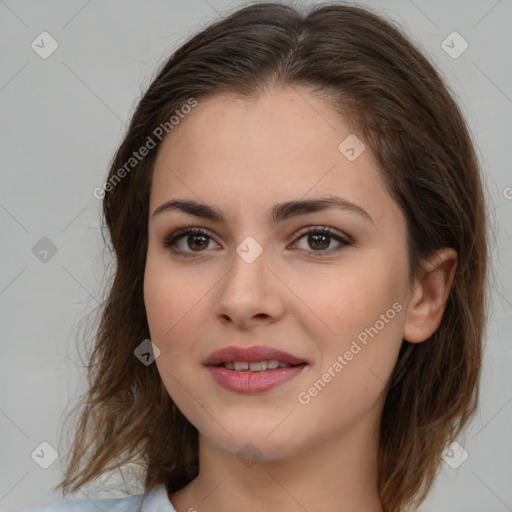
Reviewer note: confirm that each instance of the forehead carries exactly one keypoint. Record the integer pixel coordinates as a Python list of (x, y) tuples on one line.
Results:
[(283, 145), (289, 123)]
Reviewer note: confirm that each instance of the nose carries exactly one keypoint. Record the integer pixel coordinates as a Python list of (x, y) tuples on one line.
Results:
[(250, 294)]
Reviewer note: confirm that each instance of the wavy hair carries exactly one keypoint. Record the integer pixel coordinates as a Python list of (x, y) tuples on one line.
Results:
[(369, 72)]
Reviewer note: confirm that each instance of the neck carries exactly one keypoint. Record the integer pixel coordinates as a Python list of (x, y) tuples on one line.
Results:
[(328, 476)]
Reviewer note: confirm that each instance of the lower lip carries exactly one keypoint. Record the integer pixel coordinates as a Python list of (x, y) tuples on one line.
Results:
[(253, 382)]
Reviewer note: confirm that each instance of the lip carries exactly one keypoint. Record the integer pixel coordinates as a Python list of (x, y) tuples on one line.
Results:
[(252, 382), (251, 355)]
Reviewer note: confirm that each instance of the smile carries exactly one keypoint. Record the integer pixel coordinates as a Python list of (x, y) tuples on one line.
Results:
[(258, 366), (258, 380)]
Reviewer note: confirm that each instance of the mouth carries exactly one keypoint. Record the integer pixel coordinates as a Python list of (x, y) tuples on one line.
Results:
[(253, 358), (253, 369), (256, 366)]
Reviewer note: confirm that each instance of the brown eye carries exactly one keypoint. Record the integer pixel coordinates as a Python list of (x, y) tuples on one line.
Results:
[(194, 240), (197, 242), (319, 240)]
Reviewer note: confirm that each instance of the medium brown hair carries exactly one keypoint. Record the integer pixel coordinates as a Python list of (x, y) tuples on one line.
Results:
[(369, 72)]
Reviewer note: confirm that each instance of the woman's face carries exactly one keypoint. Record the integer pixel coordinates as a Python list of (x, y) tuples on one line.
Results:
[(253, 280)]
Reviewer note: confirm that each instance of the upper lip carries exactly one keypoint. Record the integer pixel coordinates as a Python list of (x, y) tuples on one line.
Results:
[(251, 354)]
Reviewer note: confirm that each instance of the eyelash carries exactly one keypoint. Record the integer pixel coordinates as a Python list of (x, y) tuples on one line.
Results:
[(323, 230)]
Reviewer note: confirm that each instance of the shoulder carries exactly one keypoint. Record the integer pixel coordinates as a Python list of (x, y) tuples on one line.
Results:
[(154, 500), (126, 504)]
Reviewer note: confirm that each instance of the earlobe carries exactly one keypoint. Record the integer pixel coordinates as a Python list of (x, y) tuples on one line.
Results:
[(430, 293)]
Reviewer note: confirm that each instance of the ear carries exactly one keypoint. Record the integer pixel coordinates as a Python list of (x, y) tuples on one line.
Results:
[(428, 299)]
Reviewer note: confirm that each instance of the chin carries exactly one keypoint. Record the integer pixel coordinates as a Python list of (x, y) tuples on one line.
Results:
[(255, 441)]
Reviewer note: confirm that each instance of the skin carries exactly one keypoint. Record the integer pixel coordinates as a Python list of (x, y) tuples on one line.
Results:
[(243, 156)]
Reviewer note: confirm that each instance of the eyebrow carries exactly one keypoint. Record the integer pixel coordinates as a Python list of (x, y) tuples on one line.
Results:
[(279, 212)]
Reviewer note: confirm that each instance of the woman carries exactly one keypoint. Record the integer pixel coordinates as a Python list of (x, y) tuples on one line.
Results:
[(297, 312)]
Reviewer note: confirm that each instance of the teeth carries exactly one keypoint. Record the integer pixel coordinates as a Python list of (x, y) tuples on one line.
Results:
[(257, 366)]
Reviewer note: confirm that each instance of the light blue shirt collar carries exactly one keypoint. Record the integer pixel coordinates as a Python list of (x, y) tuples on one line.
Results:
[(157, 501)]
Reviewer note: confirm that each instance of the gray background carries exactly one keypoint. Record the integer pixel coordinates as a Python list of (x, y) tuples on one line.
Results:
[(61, 121)]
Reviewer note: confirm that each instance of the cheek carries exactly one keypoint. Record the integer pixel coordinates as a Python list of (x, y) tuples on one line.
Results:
[(176, 308), (170, 310), (167, 304), (352, 298), (171, 300), (363, 310), (355, 364)]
